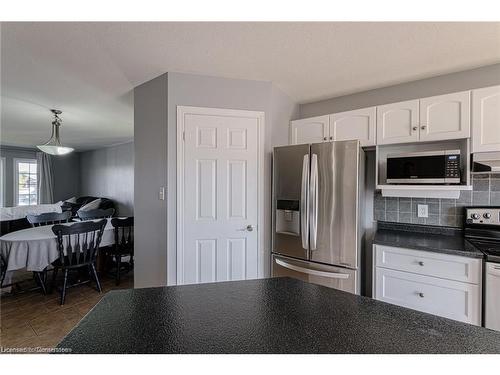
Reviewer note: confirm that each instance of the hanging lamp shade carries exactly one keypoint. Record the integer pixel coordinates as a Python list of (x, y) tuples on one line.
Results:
[(53, 146)]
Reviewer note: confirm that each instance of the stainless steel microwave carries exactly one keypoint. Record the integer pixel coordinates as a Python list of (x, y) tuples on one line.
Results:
[(428, 167)]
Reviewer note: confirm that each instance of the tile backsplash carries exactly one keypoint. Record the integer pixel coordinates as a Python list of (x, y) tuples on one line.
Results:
[(444, 212)]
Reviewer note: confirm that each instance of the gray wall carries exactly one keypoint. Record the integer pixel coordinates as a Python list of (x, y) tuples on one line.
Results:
[(283, 109), (66, 173), (150, 149), (109, 172), (178, 89), (66, 176), (465, 80), (205, 91)]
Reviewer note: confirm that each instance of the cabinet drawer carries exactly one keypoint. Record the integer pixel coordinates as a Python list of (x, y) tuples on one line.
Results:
[(444, 266), (450, 299)]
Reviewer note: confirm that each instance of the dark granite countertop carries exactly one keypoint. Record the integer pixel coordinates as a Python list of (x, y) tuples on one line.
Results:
[(277, 315), (428, 238)]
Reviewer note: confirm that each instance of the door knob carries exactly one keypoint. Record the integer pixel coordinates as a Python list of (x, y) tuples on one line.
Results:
[(249, 228)]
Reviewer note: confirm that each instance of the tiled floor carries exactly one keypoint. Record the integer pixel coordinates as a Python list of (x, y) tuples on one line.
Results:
[(34, 320)]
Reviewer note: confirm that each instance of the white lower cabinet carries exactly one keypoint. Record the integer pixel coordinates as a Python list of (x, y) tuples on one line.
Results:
[(412, 278)]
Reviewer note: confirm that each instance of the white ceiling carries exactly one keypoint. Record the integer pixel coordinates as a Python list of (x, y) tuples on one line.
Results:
[(89, 69)]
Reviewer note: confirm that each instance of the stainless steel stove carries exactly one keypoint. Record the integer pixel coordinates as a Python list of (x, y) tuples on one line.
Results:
[(482, 229)]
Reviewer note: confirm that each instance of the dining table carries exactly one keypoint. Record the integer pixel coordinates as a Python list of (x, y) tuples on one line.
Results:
[(34, 249)]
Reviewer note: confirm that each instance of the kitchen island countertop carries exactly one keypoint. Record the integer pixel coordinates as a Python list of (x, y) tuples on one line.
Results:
[(277, 315)]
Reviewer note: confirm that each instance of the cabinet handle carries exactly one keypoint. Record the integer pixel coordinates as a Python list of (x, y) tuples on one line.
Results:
[(331, 138), (421, 295), (324, 138), (423, 127), (415, 128), (420, 263)]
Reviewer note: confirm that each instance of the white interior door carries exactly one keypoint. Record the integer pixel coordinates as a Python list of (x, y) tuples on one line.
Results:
[(218, 215)]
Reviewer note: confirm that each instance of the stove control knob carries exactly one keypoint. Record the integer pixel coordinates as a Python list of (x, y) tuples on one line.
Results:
[(487, 215), (475, 216)]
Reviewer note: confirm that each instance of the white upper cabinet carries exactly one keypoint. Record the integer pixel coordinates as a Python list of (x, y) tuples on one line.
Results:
[(445, 117), (309, 130), (486, 119), (398, 122), (358, 124)]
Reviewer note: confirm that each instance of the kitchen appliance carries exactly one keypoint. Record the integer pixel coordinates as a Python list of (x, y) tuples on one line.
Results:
[(482, 229), (486, 162), (428, 167), (317, 205)]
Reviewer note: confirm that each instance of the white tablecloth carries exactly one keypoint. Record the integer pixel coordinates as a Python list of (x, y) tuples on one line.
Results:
[(36, 248)]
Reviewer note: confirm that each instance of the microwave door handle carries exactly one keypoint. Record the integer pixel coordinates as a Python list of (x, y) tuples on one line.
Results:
[(309, 271), (313, 205), (304, 203)]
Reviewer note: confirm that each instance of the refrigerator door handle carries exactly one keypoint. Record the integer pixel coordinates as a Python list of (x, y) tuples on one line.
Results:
[(313, 202), (331, 275), (304, 203)]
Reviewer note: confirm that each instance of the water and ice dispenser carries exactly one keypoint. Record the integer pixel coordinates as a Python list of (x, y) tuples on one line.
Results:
[(288, 217)]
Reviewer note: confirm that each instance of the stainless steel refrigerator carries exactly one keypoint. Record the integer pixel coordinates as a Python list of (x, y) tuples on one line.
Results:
[(317, 213)]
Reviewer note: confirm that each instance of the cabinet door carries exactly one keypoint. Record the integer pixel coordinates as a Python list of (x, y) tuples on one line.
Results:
[(309, 130), (486, 119), (445, 117), (398, 122), (450, 299), (358, 124)]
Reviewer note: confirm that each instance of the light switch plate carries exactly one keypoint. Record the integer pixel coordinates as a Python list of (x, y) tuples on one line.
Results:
[(423, 210), (161, 194)]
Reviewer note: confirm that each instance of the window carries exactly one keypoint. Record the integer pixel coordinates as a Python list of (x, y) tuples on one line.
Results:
[(25, 182), (2, 182)]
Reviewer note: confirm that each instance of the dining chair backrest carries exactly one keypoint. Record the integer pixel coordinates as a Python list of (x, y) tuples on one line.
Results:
[(3, 269), (78, 243), (49, 218), (124, 235), (96, 214)]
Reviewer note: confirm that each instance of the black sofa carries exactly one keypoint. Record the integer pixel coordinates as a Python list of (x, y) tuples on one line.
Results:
[(18, 224), (82, 201)]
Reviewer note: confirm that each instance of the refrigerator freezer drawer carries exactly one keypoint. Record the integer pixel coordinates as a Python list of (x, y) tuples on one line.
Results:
[(329, 276)]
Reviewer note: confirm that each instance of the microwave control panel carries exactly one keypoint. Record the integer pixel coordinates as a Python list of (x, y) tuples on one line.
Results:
[(452, 168)]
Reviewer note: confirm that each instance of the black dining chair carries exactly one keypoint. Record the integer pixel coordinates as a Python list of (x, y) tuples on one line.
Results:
[(124, 244), (49, 218), (3, 270), (95, 214), (77, 245)]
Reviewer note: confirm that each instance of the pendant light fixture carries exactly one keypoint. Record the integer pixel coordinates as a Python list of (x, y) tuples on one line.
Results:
[(53, 146)]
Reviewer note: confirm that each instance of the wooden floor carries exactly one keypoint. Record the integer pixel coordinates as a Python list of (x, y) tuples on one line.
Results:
[(33, 320)]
